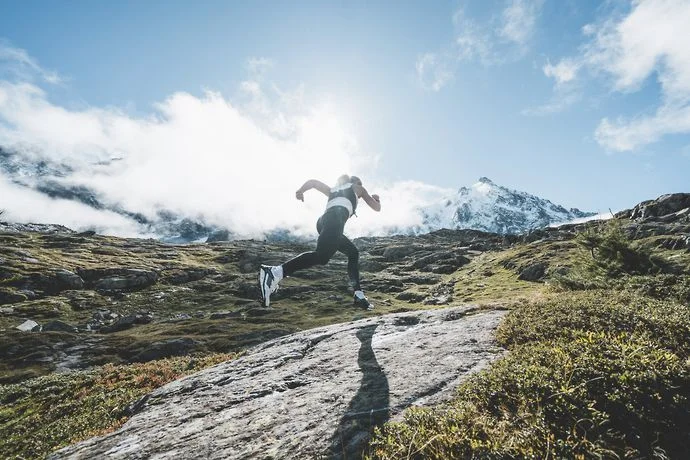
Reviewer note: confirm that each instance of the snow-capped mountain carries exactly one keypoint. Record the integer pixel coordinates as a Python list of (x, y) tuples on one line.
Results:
[(492, 208)]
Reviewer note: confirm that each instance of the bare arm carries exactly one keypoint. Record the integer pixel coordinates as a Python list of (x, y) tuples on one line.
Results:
[(373, 201), (310, 184)]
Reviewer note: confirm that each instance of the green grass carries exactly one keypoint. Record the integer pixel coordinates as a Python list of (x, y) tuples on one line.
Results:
[(46, 413), (598, 361), (592, 375)]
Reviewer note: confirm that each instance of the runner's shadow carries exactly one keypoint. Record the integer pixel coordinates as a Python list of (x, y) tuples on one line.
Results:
[(368, 408)]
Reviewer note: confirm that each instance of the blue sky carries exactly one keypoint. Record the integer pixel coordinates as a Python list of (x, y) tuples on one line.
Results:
[(586, 103)]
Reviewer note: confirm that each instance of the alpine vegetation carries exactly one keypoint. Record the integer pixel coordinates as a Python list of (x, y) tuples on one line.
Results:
[(569, 341)]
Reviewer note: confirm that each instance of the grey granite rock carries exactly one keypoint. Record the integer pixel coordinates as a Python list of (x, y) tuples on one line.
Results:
[(28, 325), (313, 394)]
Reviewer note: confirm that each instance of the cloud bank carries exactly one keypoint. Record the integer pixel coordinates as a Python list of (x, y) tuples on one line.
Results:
[(627, 48), (233, 164)]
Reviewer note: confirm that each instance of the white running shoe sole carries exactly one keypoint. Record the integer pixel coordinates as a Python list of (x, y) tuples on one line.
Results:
[(265, 282)]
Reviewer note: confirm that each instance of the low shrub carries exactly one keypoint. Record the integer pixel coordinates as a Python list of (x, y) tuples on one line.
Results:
[(598, 395), (588, 375), (566, 315), (43, 414)]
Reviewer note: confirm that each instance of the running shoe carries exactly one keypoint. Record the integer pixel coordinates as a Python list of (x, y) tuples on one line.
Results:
[(361, 301), (267, 283)]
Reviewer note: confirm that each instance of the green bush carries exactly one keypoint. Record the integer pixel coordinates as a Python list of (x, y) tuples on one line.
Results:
[(664, 286), (608, 257), (588, 375), (598, 395), (566, 315), (611, 253)]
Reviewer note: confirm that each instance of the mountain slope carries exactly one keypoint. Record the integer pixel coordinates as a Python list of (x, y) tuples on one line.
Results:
[(489, 207), (484, 206)]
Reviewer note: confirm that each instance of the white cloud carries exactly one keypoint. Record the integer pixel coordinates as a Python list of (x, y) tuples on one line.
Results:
[(24, 205), (19, 62), (197, 156), (400, 203), (652, 39), (519, 20), (231, 163), (503, 38), (649, 39), (566, 91), (434, 71), (563, 72), (473, 40), (628, 134)]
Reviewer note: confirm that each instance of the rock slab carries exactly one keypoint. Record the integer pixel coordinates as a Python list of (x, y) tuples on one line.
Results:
[(314, 394)]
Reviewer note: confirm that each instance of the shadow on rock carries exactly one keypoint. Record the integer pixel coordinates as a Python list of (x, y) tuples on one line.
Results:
[(368, 409)]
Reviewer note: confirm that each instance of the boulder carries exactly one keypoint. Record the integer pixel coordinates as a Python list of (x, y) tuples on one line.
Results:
[(662, 206), (69, 280), (28, 325), (9, 295), (119, 279), (58, 326), (226, 314), (452, 260), (55, 282), (186, 275), (313, 394), (410, 296), (165, 349), (128, 321), (533, 272), (91, 275), (396, 253)]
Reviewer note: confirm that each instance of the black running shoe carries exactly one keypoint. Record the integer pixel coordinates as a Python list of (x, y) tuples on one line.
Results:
[(361, 301)]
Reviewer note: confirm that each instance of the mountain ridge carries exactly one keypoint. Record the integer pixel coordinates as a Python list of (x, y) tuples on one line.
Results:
[(484, 206), (493, 208)]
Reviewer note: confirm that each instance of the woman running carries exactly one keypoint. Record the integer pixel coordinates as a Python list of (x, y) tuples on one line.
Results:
[(342, 203)]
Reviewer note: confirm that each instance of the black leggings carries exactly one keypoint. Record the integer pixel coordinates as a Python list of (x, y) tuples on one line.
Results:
[(331, 239)]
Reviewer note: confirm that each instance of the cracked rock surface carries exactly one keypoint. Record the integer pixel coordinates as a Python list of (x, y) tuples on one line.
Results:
[(313, 394)]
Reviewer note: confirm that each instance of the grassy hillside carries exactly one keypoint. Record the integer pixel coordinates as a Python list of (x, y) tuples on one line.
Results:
[(598, 364), (597, 336)]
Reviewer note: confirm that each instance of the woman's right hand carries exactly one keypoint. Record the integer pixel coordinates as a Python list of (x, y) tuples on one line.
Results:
[(299, 195)]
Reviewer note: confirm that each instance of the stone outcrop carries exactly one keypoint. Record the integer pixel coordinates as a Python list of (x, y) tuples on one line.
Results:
[(115, 279), (533, 272), (663, 206), (313, 394)]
